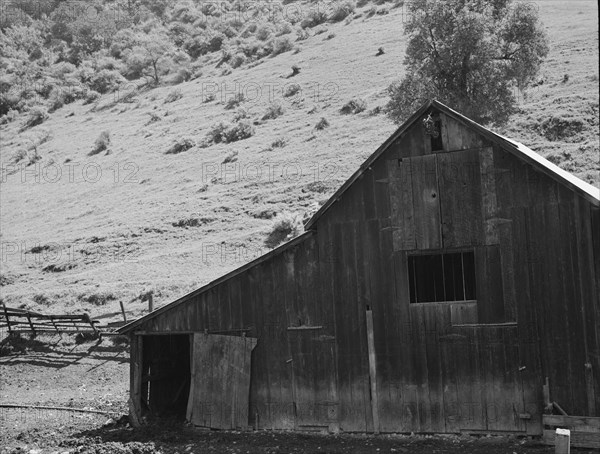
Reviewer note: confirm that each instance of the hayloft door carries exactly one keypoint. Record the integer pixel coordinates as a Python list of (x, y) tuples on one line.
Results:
[(220, 384)]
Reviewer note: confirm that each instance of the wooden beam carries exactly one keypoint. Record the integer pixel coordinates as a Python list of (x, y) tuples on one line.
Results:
[(7, 320), (372, 371), (585, 430), (123, 311), (135, 391)]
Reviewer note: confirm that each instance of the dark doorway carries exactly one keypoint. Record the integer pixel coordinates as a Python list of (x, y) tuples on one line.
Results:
[(166, 375)]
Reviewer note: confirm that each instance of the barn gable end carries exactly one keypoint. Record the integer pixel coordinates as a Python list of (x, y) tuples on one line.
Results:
[(434, 292)]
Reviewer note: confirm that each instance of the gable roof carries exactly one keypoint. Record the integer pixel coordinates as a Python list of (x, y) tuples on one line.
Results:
[(586, 190), (278, 250)]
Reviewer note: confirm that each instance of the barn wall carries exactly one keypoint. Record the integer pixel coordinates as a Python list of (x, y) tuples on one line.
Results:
[(556, 275)]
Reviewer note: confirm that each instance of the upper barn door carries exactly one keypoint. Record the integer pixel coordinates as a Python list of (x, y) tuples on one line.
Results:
[(220, 384)]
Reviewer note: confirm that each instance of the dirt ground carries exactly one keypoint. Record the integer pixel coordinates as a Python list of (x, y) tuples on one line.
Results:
[(53, 371)]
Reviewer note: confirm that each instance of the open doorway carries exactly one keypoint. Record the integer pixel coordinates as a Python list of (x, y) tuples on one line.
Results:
[(165, 375)]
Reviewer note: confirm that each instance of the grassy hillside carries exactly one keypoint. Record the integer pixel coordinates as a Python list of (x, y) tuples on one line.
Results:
[(141, 215)]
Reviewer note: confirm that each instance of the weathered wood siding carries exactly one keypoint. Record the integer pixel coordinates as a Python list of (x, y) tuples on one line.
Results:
[(441, 367)]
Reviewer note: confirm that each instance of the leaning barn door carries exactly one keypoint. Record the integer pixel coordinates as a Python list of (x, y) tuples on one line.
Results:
[(220, 385)]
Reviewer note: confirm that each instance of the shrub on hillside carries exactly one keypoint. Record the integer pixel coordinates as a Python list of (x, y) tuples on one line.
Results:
[(224, 133), (284, 29), (234, 102), (91, 96), (239, 131), (263, 32), (174, 95), (237, 60), (353, 106), (291, 90), (341, 9), (313, 18), (106, 80), (286, 226), (231, 157), (97, 299), (102, 143), (37, 116), (182, 75), (282, 44), (322, 124), (181, 145), (273, 111), (279, 143), (240, 114)]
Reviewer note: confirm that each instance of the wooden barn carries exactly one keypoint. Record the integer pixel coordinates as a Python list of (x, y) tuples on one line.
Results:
[(450, 285)]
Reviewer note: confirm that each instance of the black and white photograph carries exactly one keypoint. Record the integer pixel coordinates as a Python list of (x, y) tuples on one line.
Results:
[(299, 227)]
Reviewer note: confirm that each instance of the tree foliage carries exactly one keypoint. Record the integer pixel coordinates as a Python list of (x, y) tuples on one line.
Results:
[(469, 54)]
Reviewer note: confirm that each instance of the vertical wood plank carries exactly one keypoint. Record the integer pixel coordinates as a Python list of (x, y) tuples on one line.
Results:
[(401, 204), (426, 202), (460, 198), (372, 371)]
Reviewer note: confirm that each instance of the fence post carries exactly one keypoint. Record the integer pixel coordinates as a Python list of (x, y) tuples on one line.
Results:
[(123, 311), (150, 303), (7, 320)]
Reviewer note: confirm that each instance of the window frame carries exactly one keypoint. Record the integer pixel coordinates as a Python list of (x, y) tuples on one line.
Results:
[(441, 252)]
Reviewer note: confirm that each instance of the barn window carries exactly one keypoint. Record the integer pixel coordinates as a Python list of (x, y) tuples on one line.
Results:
[(442, 277)]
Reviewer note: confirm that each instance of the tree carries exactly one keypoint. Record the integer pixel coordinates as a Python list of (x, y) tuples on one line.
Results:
[(469, 54), (151, 56)]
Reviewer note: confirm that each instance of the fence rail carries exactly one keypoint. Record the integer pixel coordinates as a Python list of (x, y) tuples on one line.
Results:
[(16, 320)]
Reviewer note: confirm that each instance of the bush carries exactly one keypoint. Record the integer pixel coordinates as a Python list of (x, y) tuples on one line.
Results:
[(97, 299), (223, 133), (353, 106), (182, 75), (340, 10), (279, 143), (240, 115), (240, 131), (237, 60), (106, 80), (37, 116), (284, 29), (282, 44), (314, 18), (91, 96), (192, 222), (263, 32), (174, 95), (181, 145), (286, 226), (322, 124), (41, 299), (102, 143), (273, 111), (231, 157), (235, 101), (291, 90)]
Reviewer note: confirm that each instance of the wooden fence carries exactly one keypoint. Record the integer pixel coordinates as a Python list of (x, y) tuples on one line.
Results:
[(22, 321)]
